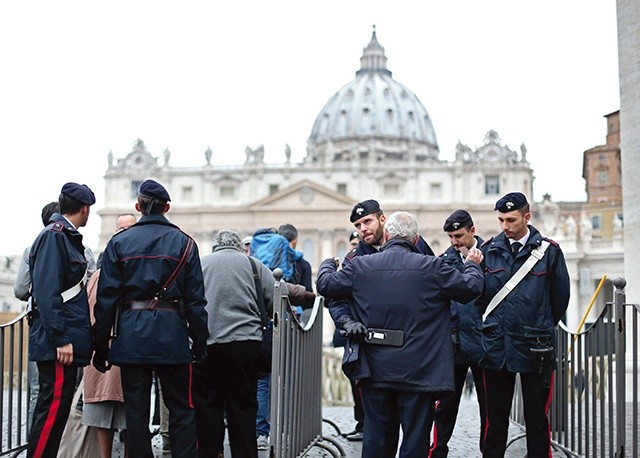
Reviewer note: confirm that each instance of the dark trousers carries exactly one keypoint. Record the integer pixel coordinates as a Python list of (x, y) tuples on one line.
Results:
[(57, 384), (447, 411), (499, 388), (358, 410), (385, 411), (227, 380), (176, 393)]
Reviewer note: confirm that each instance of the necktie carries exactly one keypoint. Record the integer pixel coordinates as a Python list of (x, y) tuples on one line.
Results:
[(515, 247)]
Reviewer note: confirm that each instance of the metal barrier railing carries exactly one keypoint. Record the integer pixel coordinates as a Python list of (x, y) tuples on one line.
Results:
[(595, 396), (14, 403), (296, 380)]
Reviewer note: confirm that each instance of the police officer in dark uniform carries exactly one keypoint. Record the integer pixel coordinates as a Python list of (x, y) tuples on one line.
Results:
[(465, 332), (151, 293), (518, 335), (401, 303), (368, 219), (60, 336)]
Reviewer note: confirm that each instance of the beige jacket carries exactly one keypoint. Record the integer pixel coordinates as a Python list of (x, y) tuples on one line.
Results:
[(99, 387)]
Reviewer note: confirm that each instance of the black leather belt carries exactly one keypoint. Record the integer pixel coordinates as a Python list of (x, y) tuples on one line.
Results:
[(153, 304)]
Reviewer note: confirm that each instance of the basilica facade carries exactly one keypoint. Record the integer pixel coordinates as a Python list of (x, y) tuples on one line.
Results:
[(372, 139)]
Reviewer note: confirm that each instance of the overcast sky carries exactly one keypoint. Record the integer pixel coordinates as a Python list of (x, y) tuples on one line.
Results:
[(79, 79)]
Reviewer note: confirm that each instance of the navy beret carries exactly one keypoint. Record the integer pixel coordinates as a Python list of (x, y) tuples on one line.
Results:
[(510, 202), (364, 208), (458, 219), (79, 192), (154, 190)]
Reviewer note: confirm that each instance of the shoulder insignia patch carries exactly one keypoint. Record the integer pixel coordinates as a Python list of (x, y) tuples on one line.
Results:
[(350, 255), (552, 242), (487, 242), (57, 227)]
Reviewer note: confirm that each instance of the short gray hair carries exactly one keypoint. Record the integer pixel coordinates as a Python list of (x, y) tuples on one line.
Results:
[(401, 225), (227, 237)]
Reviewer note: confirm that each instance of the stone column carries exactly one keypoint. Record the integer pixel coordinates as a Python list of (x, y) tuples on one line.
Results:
[(628, 56)]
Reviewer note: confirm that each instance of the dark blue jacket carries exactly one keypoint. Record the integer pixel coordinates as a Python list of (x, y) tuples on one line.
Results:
[(526, 318), (466, 317), (401, 289), (339, 309), (136, 264), (57, 263)]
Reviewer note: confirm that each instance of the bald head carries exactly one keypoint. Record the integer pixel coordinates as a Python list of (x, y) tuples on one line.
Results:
[(125, 221)]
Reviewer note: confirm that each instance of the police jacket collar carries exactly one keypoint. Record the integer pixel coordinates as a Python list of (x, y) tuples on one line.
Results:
[(502, 241), (399, 244), (74, 236), (154, 219)]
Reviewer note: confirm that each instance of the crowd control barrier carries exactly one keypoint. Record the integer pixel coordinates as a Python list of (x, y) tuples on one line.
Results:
[(296, 379), (15, 389), (594, 412)]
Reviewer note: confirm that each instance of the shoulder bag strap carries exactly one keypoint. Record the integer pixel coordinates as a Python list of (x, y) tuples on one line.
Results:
[(259, 295), (186, 254), (536, 255)]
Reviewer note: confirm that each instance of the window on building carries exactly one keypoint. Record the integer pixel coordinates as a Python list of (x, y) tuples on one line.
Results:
[(135, 186), (227, 191), (342, 250), (391, 189), (492, 185), (603, 176), (308, 250), (435, 190), (596, 222), (342, 188), (187, 193), (273, 188)]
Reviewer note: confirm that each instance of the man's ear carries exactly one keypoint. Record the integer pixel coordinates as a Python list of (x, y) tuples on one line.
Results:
[(137, 206), (166, 207)]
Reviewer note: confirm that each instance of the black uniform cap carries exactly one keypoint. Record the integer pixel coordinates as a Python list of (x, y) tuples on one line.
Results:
[(353, 235), (154, 190), (457, 220), (364, 208), (79, 192), (510, 202)]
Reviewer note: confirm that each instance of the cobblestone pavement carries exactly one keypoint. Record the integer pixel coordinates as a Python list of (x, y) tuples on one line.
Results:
[(464, 442)]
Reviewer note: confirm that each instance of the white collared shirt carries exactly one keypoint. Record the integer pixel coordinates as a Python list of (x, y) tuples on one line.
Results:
[(523, 241)]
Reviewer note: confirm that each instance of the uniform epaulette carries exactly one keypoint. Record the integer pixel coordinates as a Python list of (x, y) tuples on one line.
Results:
[(552, 242), (486, 241), (58, 227), (350, 255)]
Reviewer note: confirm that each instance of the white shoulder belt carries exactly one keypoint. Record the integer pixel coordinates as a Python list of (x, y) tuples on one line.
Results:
[(536, 255), (72, 292)]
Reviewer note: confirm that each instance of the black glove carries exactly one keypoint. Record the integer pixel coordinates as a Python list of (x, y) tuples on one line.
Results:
[(199, 354), (100, 361), (354, 329)]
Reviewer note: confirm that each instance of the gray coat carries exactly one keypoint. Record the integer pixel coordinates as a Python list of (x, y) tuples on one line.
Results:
[(231, 296)]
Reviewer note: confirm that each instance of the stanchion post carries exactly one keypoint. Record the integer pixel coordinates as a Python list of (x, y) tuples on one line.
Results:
[(619, 301)]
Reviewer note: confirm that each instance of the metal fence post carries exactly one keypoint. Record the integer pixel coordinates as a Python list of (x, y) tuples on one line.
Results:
[(621, 362)]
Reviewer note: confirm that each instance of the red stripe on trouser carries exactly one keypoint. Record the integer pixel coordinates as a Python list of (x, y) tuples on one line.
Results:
[(486, 410), (547, 407), (435, 433), (189, 395), (53, 410)]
